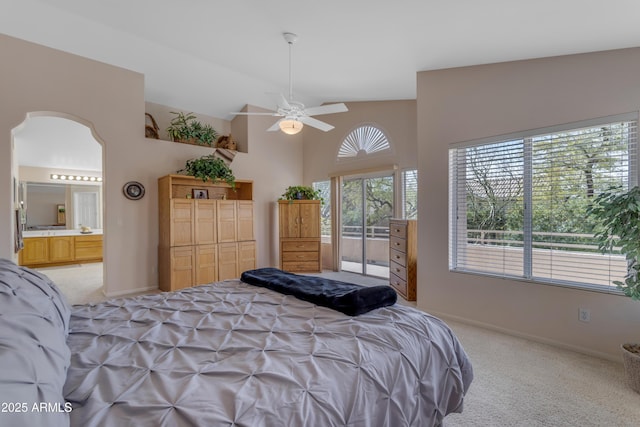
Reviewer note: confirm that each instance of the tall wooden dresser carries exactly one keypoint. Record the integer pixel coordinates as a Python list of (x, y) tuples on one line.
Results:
[(203, 240), (299, 222), (403, 254)]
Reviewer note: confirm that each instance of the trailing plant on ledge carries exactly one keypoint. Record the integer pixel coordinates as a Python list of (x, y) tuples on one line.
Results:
[(185, 127), (619, 226), (210, 167)]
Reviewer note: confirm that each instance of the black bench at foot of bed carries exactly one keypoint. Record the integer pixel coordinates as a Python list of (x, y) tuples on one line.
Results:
[(347, 298)]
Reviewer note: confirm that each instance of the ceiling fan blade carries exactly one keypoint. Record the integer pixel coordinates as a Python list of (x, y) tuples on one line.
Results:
[(280, 100), (275, 126), (326, 109), (310, 121)]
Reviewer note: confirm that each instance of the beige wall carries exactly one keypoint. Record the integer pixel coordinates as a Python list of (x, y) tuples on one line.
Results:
[(274, 163), (110, 100), (398, 121), (396, 118), (468, 103)]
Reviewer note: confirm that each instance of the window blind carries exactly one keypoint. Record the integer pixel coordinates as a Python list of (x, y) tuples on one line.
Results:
[(519, 206), (325, 209), (410, 193)]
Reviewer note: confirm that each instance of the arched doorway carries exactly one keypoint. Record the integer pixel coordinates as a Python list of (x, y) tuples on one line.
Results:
[(58, 161)]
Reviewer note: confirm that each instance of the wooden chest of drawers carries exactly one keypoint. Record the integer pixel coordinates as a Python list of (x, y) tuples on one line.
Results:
[(403, 249), (300, 255)]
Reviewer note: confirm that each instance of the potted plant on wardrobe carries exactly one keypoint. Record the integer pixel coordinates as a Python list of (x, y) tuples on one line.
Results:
[(210, 168), (301, 192), (618, 215)]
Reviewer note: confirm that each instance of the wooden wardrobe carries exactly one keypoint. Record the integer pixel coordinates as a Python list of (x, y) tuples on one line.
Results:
[(203, 240), (299, 222)]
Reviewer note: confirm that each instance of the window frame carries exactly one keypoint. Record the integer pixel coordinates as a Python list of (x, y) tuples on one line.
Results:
[(327, 204), (527, 137), (403, 183)]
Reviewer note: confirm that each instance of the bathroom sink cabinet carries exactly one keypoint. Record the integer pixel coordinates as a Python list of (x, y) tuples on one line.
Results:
[(60, 250)]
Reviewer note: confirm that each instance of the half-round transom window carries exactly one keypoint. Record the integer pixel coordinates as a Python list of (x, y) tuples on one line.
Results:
[(363, 140)]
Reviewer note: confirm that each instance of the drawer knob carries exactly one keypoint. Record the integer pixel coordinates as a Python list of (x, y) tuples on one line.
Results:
[(397, 230), (397, 243), (397, 270), (397, 256)]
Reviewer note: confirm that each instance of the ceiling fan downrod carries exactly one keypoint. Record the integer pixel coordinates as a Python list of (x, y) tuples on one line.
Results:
[(290, 38)]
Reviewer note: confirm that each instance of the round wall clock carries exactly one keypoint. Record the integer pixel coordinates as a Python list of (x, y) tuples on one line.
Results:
[(133, 190)]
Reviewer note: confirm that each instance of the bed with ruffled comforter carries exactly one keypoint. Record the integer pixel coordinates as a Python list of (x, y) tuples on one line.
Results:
[(230, 353)]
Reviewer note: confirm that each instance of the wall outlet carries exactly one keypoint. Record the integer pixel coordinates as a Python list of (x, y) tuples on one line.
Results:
[(584, 315)]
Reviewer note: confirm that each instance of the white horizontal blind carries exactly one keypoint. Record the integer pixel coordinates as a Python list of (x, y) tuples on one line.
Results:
[(487, 186), (410, 193), (569, 169), (519, 206), (324, 187)]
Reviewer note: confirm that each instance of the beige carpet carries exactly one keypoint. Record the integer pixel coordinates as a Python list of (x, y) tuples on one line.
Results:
[(523, 383), (80, 283), (517, 382)]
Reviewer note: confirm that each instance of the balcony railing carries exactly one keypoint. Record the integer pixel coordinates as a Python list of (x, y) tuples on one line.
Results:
[(499, 250), (370, 231), (582, 242), (555, 256)]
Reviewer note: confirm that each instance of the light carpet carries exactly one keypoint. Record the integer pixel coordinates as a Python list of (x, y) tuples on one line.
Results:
[(517, 382), (80, 283), (524, 383)]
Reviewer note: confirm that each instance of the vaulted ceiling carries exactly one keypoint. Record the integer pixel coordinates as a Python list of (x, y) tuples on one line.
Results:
[(213, 57)]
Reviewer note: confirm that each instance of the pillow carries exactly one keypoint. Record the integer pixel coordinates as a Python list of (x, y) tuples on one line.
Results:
[(34, 357)]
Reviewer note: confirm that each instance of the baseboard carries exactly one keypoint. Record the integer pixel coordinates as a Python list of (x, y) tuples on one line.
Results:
[(534, 338), (128, 292)]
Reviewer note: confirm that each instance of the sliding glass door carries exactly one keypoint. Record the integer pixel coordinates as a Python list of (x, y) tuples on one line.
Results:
[(367, 205)]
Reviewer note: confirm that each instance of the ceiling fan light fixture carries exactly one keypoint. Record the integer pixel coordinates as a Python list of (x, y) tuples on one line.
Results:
[(291, 127), (293, 113)]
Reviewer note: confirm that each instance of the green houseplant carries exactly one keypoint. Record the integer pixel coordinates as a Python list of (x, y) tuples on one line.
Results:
[(210, 168), (185, 128), (301, 192), (618, 216)]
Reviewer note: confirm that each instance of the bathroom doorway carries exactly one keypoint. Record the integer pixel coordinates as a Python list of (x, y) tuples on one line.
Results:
[(58, 162)]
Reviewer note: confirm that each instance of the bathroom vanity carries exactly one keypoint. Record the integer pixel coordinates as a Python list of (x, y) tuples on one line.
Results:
[(45, 248)]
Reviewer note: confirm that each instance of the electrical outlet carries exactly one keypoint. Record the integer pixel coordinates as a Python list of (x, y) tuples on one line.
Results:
[(584, 315)]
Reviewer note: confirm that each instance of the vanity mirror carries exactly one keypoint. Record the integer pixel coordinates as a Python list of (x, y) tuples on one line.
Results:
[(52, 206)]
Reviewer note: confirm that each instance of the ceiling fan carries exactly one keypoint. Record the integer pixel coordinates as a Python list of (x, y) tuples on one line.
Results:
[(293, 114)]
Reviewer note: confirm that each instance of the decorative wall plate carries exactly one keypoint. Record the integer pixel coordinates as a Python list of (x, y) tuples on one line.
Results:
[(133, 190)]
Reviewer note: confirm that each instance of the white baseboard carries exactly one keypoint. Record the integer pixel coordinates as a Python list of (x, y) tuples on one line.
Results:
[(128, 292), (535, 338)]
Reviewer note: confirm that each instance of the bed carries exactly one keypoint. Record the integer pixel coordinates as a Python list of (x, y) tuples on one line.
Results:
[(226, 353)]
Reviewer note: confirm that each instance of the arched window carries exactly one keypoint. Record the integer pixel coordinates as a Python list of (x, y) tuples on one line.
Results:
[(363, 140)]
